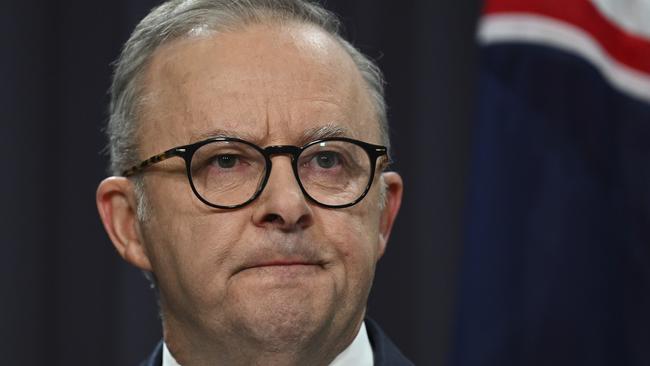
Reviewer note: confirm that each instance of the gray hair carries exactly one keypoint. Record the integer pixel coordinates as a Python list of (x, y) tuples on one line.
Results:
[(176, 19)]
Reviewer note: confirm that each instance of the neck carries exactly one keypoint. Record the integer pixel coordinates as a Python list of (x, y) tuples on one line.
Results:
[(192, 347)]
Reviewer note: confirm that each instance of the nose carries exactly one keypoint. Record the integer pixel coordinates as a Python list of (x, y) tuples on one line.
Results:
[(282, 204)]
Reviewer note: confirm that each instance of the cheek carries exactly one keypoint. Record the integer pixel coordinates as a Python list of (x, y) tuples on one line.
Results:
[(194, 253), (355, 241)]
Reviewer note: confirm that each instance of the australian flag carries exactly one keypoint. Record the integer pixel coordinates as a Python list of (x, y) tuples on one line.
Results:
[(556, 264)]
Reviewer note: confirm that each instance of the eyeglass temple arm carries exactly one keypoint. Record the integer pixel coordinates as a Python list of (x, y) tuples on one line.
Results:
[(381, 151), (152, 160)]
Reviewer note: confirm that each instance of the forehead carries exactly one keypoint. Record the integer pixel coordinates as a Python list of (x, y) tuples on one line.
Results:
[(267, 83)]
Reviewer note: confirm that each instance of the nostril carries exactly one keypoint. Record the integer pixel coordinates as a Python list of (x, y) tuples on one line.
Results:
[(305, 221), (273, 218)]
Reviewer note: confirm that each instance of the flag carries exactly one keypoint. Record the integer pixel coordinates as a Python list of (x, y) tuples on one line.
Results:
[(556, 262)]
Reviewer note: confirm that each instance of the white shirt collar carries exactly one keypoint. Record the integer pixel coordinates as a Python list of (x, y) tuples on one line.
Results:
[(358, 353)]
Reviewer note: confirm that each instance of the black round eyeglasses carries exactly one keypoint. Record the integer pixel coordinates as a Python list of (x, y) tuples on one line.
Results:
[(226, 172)]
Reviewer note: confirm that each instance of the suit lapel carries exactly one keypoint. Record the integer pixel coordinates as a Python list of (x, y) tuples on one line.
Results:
[(384, 350)]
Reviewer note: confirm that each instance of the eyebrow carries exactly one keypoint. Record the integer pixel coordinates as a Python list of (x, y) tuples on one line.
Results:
[(326, 131), (309, 135), (219, 132)]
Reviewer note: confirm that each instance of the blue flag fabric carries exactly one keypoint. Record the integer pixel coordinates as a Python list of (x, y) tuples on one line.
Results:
[(556, 264)]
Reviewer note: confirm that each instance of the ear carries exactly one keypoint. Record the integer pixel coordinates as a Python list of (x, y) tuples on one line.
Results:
[(394, 188), (117, 208)]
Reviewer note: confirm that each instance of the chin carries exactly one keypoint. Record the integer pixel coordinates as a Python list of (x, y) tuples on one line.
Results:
[(283, 318)]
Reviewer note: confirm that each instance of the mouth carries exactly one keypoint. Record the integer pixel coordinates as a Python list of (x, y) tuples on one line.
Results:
[(283, 265)]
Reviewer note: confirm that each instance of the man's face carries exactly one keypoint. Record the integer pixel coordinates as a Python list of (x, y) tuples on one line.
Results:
[(281, 269)]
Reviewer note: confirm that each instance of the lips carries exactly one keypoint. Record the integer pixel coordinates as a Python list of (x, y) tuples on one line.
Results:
[(283, 263), (280, 263)]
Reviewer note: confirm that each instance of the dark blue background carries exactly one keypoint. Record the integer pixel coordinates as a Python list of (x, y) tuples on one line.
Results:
[(556, 267)]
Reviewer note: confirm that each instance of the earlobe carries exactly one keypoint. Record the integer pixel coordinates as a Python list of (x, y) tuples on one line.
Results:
[(117, 209), (394, 188)]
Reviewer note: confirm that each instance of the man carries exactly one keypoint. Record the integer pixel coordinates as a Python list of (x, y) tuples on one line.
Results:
[(264, 206)]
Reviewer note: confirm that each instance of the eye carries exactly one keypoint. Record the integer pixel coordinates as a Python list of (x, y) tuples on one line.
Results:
[(225, 161), (327, 159)]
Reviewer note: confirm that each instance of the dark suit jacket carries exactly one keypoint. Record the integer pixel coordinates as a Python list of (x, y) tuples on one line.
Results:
[(386, 353)]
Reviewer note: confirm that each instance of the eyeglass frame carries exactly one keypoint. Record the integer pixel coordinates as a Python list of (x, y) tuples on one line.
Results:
[(186, 152)]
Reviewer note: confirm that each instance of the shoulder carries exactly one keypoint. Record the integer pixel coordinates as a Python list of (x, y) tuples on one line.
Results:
[(155, 358), (385, 351)]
